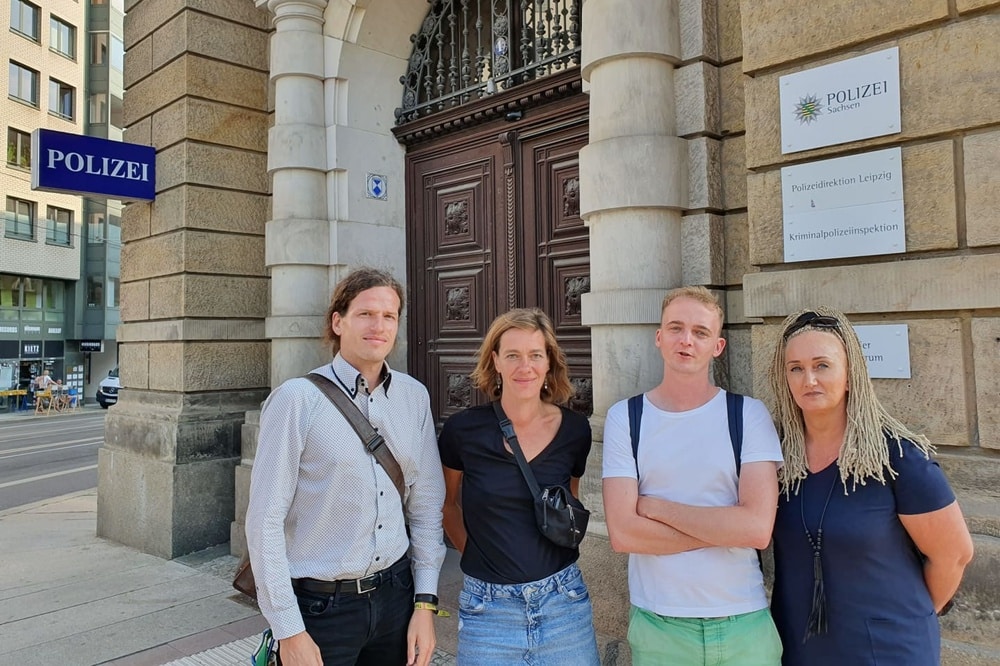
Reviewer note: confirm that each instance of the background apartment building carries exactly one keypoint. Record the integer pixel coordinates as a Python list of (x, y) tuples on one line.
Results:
[(58, 252)]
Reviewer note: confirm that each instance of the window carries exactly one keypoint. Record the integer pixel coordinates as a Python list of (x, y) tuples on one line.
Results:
[(20, 218), (95, 291), (113, 292), (24, 19), (62, 37), (23, 83), (53, 295), (60, 226), (95, 228), (99, 48), (32, 295), (18, 148), (99, 108), (117, 54), (10, 292), (117, 111), (61, 99)]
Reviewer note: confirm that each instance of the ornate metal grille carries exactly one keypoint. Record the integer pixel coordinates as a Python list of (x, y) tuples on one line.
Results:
[(467, 49)]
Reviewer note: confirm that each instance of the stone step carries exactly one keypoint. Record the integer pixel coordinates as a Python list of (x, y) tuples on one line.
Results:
[(980, 590), (970, 471), (982, 513), (954, 653)]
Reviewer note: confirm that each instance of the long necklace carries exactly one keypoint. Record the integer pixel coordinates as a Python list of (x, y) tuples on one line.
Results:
[(817, 623)]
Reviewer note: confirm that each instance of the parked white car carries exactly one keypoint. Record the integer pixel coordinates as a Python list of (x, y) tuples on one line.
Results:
[(107, 390)]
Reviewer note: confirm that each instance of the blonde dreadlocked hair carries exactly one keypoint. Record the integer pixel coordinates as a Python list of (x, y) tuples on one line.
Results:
[(865, 452)]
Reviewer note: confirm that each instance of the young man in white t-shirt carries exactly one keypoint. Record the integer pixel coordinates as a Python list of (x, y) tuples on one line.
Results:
[(688, 518)]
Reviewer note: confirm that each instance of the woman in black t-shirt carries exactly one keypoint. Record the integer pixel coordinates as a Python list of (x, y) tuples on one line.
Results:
[(523, 594)]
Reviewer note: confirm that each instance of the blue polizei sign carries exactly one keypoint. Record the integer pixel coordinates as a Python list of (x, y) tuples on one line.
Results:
[(77, 164)]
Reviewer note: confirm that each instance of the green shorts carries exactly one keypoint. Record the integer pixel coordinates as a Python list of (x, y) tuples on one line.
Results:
[(738, 640)]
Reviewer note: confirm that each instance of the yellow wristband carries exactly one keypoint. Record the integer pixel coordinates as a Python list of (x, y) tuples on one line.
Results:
[(423, 605)]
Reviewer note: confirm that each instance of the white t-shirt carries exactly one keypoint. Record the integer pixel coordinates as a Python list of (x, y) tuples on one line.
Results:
[(687, 457)]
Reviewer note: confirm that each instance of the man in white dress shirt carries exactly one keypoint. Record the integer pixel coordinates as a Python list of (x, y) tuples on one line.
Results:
[(338, 579)]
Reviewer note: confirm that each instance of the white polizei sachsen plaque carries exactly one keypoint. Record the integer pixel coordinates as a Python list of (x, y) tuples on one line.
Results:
[(844, 101), (844, 207), (886, 349)]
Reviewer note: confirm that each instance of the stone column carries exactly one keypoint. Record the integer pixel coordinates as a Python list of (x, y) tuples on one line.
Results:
[(194, 288), (298, 251), (633, 186), (298, 238)]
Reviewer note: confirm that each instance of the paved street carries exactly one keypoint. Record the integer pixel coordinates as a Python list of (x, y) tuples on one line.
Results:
[(44, 457), (69, 597)]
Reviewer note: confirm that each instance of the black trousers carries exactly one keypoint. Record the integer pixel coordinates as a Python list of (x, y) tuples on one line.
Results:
[(368, 629)]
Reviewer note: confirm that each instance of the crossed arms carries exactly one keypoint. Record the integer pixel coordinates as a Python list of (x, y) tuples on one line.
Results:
[(654, 526)]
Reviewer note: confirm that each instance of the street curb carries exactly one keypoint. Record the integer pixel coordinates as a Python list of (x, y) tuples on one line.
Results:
[(24, 508), (29, 415)]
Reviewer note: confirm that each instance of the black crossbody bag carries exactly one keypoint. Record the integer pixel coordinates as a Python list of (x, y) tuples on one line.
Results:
[(560, 517)]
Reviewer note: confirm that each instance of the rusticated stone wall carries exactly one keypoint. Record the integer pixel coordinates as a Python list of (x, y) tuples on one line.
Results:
[(944, 288), (194, 288)]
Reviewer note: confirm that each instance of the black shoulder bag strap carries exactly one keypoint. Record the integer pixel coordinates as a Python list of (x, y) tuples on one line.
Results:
[(508, 432), (734, 412), (374, 443)]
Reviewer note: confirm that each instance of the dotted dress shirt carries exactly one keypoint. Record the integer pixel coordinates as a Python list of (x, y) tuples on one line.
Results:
[(322, 507)]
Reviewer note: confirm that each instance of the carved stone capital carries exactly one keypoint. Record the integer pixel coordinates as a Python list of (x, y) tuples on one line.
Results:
[(294, 8)]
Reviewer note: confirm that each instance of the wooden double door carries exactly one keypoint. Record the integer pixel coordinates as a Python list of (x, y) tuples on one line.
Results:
[(493, 218)]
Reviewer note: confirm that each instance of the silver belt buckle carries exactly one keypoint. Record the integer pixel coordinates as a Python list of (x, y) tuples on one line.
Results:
[(364, 590)]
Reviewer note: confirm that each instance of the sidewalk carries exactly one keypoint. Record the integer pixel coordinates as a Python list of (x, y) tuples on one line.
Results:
[(68, 597), (90, 407)]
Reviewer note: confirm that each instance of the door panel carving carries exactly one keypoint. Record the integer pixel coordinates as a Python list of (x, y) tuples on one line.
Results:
[(493, 220)]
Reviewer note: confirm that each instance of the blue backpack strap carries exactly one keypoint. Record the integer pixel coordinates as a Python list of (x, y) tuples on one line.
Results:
[(734, 410), (634, 421)]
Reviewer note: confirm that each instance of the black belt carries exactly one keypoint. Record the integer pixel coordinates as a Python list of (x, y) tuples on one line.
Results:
[(354, 586)]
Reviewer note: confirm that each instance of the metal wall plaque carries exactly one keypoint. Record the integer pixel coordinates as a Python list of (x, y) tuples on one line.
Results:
[(887, 350), (376, 186), (840, 102), (844, 207), (77, 164)]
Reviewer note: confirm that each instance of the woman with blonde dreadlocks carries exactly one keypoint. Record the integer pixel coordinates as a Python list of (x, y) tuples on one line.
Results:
[(869, 542)]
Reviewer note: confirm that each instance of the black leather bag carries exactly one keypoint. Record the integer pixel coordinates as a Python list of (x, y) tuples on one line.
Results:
[(560, 517)]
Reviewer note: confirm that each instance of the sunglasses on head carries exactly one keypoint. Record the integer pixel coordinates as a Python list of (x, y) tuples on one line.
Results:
[(811, 319)]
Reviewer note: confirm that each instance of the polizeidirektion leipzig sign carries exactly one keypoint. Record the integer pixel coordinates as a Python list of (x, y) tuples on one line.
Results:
[(76, 164)]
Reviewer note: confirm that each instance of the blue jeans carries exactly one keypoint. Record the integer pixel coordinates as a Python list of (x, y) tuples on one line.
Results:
[(362, 629), (546, 622)]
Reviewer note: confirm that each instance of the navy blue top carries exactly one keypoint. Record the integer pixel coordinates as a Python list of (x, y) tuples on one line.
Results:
[(879, 610), (504, 544)]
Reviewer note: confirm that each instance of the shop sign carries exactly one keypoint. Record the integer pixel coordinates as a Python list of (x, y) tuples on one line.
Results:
[(844, 207), (844, 101), (96, 346), (78, 164), (32, 330), (31, 349), (9, 329), (887, 350)]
